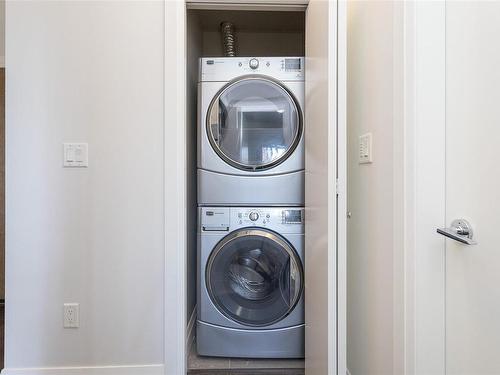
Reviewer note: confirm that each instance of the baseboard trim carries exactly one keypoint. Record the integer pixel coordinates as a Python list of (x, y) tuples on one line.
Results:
[(190, 331), (93, 370)]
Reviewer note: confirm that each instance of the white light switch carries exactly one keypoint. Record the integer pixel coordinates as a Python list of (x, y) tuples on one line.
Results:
[(76, 155), (365, 148)]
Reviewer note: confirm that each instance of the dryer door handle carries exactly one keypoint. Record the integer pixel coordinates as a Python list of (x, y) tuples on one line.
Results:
[(214, 121)]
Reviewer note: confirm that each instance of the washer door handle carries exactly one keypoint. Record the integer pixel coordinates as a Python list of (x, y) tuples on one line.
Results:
[(294, 288)]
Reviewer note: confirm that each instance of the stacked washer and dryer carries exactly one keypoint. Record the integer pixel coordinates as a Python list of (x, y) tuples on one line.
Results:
[(250, 299)]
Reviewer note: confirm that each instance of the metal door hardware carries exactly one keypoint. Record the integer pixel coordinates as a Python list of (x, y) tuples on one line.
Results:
[(460, 230)]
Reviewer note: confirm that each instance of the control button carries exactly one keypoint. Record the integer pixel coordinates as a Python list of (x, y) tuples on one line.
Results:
[(254, 216), (240, 64), (254, 63), (268, 64), (239, 215), (268, 216)]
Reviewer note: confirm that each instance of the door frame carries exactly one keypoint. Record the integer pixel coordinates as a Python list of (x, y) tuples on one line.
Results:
[(175, 184), (424, 187), (341, 186)]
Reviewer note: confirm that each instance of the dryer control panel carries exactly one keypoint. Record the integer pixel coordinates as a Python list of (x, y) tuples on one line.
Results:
[(279, 219), (228, 68)]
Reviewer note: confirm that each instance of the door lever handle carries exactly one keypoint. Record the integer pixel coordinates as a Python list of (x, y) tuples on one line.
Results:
[(460, 230)]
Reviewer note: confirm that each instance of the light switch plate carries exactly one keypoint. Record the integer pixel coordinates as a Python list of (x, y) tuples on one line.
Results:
[(75, 155), (365, 148)]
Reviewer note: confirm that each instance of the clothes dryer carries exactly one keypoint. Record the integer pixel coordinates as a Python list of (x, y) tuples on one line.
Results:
[(251, 131)]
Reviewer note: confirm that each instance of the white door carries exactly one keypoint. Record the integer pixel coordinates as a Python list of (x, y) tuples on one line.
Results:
[(325, 160), (473, 186), (453, 126)]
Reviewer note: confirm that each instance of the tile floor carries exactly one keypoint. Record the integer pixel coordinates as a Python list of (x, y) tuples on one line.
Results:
[(198, 365)]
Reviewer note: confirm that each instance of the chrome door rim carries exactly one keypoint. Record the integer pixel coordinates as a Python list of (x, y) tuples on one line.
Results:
[(257, 232), (247, 167)]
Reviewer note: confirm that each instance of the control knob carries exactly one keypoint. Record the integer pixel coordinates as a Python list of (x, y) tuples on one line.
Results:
[(254, 216), (254, 63)]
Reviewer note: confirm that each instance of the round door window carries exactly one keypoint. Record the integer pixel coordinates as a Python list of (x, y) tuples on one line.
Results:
[(254, 277), (254, 123)]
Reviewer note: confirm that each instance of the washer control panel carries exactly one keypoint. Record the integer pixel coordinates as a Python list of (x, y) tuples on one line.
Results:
[(227, 219), (252, 216), (289, 220)]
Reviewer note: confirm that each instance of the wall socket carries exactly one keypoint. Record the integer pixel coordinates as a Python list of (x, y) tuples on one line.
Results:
[(71, 315)]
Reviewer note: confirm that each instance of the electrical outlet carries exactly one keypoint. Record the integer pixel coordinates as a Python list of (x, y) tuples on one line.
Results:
[(71, 315)]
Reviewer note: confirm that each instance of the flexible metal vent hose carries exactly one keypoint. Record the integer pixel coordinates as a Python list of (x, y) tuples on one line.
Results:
[(228, 40)]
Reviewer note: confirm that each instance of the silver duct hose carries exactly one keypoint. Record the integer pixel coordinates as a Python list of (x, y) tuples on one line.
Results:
[(228, 40)]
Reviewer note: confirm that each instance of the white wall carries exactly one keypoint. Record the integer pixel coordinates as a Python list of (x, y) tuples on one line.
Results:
[(2, 33), (85, 72), (374, 257)]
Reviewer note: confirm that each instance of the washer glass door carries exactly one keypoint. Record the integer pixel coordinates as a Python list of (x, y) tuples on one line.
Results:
[(254, 123), (254, 277)]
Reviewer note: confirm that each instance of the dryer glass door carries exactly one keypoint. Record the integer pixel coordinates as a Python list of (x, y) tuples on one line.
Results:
[(254, 123), (254, 277)]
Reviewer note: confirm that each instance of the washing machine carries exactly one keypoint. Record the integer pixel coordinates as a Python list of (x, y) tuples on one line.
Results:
[(251, 131), (250, 300)]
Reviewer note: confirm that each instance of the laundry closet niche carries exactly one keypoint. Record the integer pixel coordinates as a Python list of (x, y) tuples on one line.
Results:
[(259, 33)]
